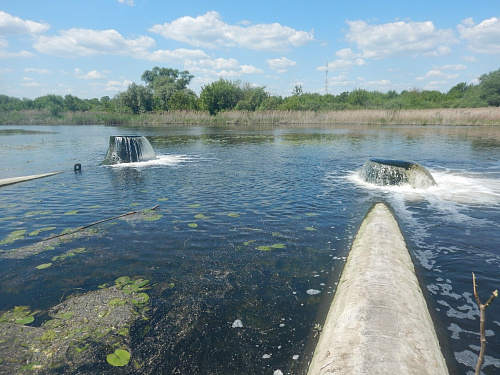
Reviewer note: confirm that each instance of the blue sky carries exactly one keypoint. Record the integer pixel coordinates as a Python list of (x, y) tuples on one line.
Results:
[(94, 48)]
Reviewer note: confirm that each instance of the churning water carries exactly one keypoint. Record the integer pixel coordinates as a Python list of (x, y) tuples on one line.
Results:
[(251, 233)]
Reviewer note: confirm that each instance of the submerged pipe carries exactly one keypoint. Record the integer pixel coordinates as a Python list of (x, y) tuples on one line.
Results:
[(396, 172), (378, 322), (128, 149)]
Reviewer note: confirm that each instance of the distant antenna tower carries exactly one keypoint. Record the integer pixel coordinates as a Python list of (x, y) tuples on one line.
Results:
[(326, 79)]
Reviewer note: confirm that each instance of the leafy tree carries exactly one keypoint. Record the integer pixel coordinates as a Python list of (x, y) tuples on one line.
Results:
[(137, 98), (252, 98), (359, 98), (489, 88), (183, 99), (297, 90), (220, 95), (165, 83)]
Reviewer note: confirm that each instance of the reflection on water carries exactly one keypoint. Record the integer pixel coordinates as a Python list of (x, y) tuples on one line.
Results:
[(249, 223)]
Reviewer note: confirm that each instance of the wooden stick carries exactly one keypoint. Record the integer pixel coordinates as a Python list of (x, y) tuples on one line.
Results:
[(97, 222), (482, 323)]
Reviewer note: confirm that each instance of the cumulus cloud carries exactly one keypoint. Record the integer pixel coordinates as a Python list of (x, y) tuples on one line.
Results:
[(128, 2), (280, 65), (482, 38), (346, 61), (117, 85), (210, 31), (228, 68), (39, 71), (11, 25), (436, 73), (87, 42), (399, 39), (177, 56), (92, 75)]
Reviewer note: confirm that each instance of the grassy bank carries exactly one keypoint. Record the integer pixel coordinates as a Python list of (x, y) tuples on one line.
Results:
[(444, 116)]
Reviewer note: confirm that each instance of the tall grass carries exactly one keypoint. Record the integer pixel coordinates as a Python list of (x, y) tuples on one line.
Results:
[(444, 116)]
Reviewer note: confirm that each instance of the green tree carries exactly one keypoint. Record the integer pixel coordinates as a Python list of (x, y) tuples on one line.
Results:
[(165, 83), (220, 95), (137, 98), (489, 88), (183, 100), (252, 98)]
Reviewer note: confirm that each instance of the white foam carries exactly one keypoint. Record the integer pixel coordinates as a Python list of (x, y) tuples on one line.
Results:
[(161, 160)]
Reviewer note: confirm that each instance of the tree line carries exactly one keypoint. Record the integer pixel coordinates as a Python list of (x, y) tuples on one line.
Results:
[(166, 89)]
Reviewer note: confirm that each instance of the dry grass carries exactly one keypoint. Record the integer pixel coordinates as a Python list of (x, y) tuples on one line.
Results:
[(442, 116)]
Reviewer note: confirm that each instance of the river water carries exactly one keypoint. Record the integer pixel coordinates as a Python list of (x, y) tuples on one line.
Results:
[(252, 229)]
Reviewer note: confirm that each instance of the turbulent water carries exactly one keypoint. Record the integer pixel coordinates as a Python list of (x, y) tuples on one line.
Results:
[(250, 234)]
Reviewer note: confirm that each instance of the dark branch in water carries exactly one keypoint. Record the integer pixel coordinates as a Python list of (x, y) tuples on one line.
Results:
[(482, 322), (97, 222)]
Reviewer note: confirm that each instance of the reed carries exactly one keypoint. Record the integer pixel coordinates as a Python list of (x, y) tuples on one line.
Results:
[(442, 116)]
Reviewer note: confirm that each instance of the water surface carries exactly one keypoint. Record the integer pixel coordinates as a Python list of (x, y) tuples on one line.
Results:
[(251, 233)]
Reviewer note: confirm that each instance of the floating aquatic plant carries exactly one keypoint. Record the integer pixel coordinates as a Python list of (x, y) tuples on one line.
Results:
[(119, 358), (38, 231), (14, 236), (194, 205), (201, 217), (71, 212), (37, 213), (233, 214), (153, 217), (310, 229), (193, 225), (163, 199), (18, 315), (43, 266)]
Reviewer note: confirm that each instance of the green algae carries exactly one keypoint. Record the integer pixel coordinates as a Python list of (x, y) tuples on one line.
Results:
[(14, 236), (38, 231), (43, 266)]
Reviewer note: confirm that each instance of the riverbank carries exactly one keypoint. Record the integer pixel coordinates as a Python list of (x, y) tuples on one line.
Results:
[(441, 116)]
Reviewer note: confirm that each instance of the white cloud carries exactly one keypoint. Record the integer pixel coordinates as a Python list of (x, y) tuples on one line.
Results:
[(39, 71), (399, 39), (451, 67), (177, 55), (348, 59), (11, 25), (117, 85), (435, 73), (128, 2), (228, 68), (87, 42), (482, 38), (92, 75), (210, 31), (280, 65), (4, 54)]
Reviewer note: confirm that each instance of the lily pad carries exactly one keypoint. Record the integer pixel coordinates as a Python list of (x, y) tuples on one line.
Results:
[(233, 214), (25, 320), (194, 205), (119, 358), (310, 229), (153, 217), (201, 217), (163, 199), (71, 212), (193, 225)]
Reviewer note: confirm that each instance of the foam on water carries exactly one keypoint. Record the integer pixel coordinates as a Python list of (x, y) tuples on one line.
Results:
[(161, 160)]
